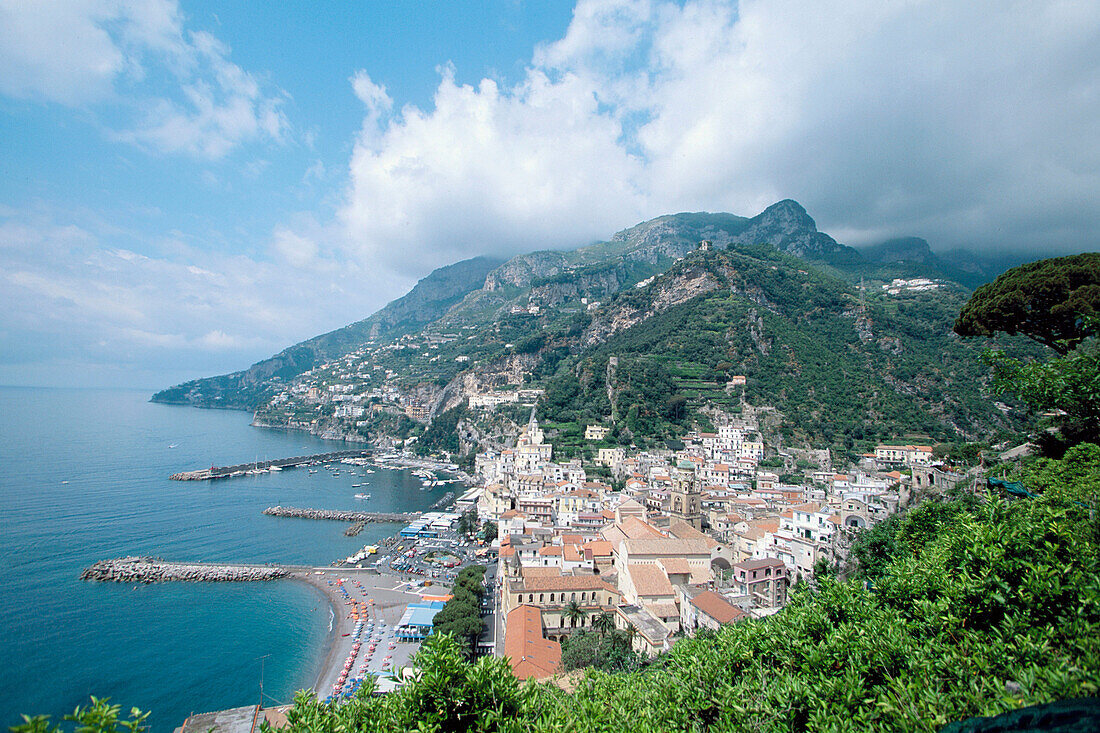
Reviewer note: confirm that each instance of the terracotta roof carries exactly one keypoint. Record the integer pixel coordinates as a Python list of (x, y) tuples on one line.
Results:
[(598, 548), (717, 607), (674, 565), (537, 572), (564, 582), (529, 653), (768, 525), (663, 609), (667, 546), (550, 551), (680, 529), (768, 562), (635, 529), (649, 581)]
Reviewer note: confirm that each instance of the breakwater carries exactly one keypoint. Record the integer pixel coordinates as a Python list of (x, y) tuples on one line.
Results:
[(340, 516), (244, 469), (150, 570)]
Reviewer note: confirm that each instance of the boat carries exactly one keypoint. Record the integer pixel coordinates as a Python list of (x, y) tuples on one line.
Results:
[(173, 445), (356, 486), (362, 496)]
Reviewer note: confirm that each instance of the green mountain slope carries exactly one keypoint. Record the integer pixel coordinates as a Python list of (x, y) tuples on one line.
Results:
[(840, 372)]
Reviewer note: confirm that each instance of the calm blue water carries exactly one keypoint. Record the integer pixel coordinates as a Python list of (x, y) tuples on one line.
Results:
[(171, 648)]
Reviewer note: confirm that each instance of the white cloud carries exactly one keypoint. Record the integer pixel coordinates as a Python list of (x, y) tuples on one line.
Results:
[(490, 170), (71, 294), (967, 123), (99, 54), (293, 248)]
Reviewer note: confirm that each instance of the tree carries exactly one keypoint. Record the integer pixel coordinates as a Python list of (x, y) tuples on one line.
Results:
[(467, 523), (1069, 385), (604, 622), (1052, 301), (490, 530), (574, 613)]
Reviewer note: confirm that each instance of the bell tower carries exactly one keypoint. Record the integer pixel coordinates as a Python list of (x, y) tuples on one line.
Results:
[(684, 499)]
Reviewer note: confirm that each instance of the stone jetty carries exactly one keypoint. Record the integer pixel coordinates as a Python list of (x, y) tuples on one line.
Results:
[(245, 469), (340, 516), (151, 570), (355, 529)]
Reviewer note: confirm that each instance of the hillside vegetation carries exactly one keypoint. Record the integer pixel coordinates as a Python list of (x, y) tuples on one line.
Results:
[(841, 373)]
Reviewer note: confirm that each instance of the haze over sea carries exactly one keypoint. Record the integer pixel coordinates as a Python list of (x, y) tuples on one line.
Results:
[(84, 476)]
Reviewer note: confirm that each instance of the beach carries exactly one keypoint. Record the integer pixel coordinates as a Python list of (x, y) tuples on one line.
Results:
[(350, 591)]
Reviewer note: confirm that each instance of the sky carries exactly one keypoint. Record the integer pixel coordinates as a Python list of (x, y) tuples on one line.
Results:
[(189, 187)]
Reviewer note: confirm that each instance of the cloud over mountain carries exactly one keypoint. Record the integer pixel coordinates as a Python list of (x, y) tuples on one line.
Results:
[(971, 124)]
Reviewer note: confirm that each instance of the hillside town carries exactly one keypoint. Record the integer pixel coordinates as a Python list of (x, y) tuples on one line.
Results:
[(678, 541)]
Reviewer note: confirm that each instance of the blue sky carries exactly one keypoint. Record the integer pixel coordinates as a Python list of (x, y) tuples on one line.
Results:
[(188, 188)]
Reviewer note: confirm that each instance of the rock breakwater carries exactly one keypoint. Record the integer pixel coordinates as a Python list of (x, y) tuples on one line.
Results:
[(151, 570), (340, 516)]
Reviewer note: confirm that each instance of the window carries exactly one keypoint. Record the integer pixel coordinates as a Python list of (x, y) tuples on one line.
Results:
[(542, 597), (583, 595), (530, 597), (551, 597)]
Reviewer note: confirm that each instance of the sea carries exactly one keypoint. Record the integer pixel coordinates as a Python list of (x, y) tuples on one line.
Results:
[(84, 477)]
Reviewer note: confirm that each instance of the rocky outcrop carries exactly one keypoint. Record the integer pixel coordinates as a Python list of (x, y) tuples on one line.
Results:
[(523, 270), (663, 294), (787, 227)]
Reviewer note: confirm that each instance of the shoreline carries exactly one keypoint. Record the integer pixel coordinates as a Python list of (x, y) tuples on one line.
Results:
[(365, 585)]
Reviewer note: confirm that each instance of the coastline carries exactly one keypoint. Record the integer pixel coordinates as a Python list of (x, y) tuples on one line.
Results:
[(390, 600)]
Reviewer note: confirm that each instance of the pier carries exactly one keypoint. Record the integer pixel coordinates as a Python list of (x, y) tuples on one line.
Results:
[(151, 570), (244, 469), (340, 516)]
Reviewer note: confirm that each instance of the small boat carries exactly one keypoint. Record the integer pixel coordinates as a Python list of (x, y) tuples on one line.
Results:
[(362, 496), (356, 486), (173, 445)]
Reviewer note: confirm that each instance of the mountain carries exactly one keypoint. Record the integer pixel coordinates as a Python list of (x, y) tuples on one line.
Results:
[(770, 298), (429, 299), (838, 372)]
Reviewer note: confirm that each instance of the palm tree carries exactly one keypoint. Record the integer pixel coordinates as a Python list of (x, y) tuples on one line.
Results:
[(604, 623), (574, 613)]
